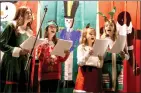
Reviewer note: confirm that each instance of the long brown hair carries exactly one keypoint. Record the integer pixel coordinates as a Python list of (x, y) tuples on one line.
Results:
[(54, 37), (21, 13)]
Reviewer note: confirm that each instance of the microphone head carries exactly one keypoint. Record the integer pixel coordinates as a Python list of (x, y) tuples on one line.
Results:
[(45, 9)]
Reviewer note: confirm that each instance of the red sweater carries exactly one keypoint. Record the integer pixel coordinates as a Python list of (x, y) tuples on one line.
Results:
[(49, 70)]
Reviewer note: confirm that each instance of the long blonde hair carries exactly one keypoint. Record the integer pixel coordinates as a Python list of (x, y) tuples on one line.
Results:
[(83, 38), (115, 30)]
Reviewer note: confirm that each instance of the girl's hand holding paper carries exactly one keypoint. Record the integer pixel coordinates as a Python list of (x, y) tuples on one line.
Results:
[(100, 57), (67, 52), (122, 54)]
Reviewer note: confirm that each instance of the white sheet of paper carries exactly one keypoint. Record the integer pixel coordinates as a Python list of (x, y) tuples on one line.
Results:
[(119, 44), (100, 46), (28, 44), (61, 46)]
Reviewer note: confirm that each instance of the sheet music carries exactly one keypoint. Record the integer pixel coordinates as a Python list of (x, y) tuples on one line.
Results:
[(61, 46), (28, 44), (119, 44), (100, 46)]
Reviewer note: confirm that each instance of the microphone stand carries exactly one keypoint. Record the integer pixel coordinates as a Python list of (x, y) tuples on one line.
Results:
[(27, 66), (30, 56)]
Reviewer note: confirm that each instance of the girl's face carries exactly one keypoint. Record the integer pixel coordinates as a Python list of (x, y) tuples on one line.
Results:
[(28, 16), (52, 30), (91, 35), (109, 28)]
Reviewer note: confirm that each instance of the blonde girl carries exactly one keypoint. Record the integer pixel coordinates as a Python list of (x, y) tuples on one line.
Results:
[(112, 71), (88, 78)]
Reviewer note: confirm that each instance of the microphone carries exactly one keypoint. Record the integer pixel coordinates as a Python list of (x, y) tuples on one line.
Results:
[(45, 9)]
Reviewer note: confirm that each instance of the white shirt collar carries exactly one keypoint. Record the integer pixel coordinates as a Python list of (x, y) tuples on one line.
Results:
[(69, 29)]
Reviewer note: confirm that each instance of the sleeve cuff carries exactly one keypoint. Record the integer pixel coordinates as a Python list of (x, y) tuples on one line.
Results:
[(130, 47), (16, 52)]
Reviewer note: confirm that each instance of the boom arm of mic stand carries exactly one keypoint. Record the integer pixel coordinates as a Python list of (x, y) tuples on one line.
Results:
[(30, 56)]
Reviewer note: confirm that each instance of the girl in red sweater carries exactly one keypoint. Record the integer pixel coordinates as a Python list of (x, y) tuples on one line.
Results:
[(49, 65)]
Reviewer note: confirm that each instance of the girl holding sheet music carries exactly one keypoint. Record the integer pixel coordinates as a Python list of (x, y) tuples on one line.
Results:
[(88, 77), (112, 71), (13, 77), (49, 65)]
